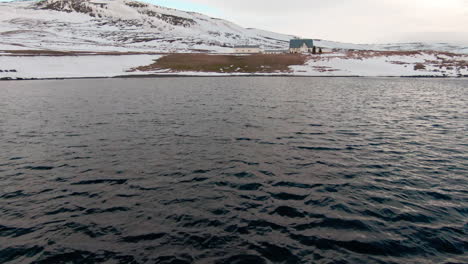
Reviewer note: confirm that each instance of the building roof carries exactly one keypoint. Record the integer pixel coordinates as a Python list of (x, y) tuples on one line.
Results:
[(297, 43), (247, 46)]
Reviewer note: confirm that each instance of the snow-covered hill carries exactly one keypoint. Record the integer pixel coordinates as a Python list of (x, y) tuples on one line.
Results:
[(120, 25), (130, 25)]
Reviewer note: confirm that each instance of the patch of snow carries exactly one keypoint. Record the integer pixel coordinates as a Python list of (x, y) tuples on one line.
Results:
[(71, 66), (340, 65)]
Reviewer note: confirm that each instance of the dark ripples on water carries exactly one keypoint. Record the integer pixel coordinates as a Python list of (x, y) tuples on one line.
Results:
[(234, 170)]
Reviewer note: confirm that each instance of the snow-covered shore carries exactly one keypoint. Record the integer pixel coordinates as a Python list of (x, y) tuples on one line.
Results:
[(375, 63), (42, 67), (366, 64)]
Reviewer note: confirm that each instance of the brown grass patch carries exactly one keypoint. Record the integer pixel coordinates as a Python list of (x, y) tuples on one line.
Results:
[(460, 63), (419, 66), (263, 63)]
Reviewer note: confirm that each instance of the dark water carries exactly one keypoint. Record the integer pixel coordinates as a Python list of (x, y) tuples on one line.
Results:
[(234, 170)]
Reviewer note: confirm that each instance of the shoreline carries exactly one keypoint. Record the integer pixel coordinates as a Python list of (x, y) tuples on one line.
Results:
[(156, 76), (158, 65)]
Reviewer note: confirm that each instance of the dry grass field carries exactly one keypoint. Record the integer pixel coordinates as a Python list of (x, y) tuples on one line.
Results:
[(256, 63)]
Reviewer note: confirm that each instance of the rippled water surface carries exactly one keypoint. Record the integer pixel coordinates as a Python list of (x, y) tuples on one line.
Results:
[(234, 170)]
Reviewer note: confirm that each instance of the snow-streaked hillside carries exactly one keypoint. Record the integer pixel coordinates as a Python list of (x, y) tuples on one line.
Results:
[(130, 25), (121, 25)]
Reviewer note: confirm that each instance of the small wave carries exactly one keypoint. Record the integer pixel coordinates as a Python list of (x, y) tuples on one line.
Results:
[(297, 185), (179, 201), (101, 181), (338, 223), (6, 231), (267, 173), (250, 187), (380, 247), (319, 148), (242, 259), (200, 171), (91, 230), (40, 168), (79, 256), (145, 237), (276, 254), (196, 179), (246, 139), (173, 260), (311, 133), (260, 225), (244, 174), (11, 253), (439, 196), (239, 186), (107, 210), (390, 215), (78, 146), (16, 194), (288, 196), (73, 135), (250, 163), (64, 210), (288, 212)]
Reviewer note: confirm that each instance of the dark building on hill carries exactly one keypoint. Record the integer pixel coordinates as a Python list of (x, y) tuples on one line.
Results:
[(301, 45)]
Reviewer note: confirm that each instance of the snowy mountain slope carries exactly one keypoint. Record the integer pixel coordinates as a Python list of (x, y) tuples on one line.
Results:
[(121, 25), (129, 25)]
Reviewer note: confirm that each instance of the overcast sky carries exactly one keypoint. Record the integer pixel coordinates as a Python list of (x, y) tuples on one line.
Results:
[(357, 21)]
